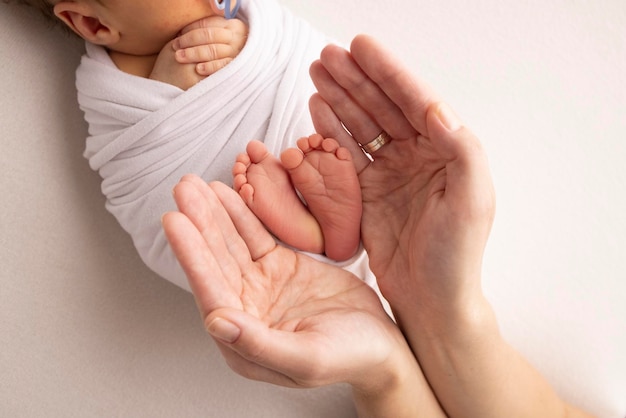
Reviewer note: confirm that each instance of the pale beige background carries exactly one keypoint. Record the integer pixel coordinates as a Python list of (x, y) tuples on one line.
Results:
[(87, 330)]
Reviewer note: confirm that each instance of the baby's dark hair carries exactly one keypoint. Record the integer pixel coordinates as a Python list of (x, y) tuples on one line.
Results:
[(46, 8)]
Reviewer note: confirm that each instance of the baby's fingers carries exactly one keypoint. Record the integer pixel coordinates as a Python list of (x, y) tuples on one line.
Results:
[(204, 36), (210, 22), (207, 68), (208, 58), (205, 53)]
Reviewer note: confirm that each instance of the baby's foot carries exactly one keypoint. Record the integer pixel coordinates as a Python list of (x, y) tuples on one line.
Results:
[(265, 186), (324, 174)]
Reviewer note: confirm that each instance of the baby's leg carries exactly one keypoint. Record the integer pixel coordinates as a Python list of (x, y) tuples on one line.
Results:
[(324, 174), (265, 186)]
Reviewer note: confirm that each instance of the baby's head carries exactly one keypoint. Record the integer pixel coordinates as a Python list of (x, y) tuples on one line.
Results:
[(136, 27)]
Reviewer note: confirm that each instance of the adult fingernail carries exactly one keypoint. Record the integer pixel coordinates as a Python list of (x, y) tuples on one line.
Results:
[(448, 118), (224, 330)]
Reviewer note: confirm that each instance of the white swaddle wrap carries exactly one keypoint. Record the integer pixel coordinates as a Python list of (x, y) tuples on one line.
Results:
[(145, 135)]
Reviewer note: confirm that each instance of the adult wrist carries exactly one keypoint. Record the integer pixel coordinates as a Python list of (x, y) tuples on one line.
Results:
[(463, 317), (397, 389)]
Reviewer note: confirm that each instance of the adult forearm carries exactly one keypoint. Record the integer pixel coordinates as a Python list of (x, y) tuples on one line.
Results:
[(474, 371), (402, 392)]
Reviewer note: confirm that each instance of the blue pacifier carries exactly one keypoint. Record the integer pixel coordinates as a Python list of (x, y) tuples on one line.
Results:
[(225, 6)]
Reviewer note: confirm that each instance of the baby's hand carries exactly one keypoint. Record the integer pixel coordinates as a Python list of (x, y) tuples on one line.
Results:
[(168, 70), (210, 43)]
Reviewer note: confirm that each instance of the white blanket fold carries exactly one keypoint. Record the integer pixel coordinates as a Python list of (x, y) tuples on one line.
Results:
[(145, 135)]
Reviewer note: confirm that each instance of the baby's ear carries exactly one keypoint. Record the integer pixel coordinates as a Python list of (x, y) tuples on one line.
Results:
[(83, 20)]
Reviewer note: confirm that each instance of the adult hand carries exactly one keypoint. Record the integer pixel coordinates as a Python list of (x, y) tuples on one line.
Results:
[(428, 206), (210, 43), (428, 199), (280, 316)]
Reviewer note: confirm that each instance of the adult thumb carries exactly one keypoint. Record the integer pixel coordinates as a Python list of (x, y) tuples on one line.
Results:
[(264, 353), (467, 167)]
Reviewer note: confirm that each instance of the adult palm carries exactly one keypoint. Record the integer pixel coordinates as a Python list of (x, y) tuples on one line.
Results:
[(428, 201), (277, 315)]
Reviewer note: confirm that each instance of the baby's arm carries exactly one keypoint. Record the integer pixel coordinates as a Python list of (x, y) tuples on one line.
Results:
[(168, 70), (203, 48), (211, 43)]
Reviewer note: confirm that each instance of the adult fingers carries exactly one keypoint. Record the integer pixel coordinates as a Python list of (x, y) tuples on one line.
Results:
[(257, 239), (328, 125), (363, 92), (356, 119), (202, 206), (410, 94), (202, 269), (214, 267)]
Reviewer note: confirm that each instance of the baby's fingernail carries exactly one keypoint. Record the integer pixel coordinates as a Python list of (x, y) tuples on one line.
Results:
[(224, 330), (449, 119), (180, 54)]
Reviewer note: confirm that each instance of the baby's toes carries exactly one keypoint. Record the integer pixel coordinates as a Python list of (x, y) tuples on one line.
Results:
[(240, 168), (257, 151), (330, 145), (343, 154), (291, 158), (239, 180)]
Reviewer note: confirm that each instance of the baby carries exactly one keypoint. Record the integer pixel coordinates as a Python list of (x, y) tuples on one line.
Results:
[(144, 46), (172, 87), (324, 175)]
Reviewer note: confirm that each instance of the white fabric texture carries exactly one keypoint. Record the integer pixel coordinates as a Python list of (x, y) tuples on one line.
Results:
[(145, 135)]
